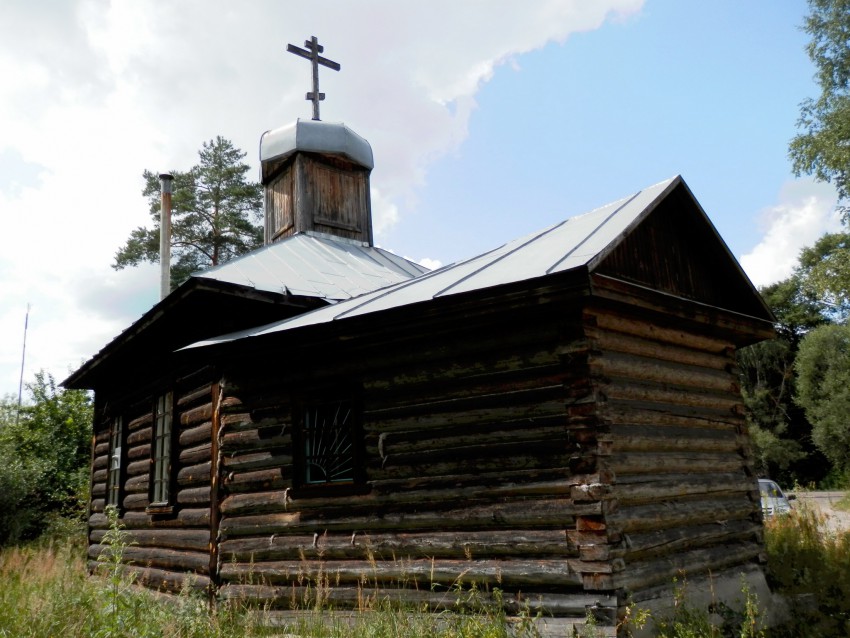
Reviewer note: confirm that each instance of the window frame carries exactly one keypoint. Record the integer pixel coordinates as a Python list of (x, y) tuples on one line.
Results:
[(301, 483), (115, 465), (161, 490)]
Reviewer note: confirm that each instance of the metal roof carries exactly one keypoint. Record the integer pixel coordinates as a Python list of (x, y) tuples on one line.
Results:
[(333, 138), (316, 265), (579, 241)]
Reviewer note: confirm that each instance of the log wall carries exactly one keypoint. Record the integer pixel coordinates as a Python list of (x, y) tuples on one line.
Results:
[(167, 551), (472, 463), (683, 495)]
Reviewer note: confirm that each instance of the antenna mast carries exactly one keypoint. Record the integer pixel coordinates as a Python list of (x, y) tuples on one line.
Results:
[(23, 356)]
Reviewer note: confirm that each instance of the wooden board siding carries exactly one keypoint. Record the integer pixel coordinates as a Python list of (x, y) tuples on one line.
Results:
[(321, 193), (683, 494), (167, 551), (471, 460)]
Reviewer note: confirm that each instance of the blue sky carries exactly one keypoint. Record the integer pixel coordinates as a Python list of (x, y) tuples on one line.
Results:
[(708, 90), (489, 119)]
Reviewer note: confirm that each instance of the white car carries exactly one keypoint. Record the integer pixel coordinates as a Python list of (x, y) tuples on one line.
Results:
[(773, 499)]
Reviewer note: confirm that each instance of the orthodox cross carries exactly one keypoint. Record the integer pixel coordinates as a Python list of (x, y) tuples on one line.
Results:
[(312, 54)]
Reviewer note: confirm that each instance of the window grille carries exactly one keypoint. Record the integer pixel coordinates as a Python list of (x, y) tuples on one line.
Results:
[(161, 479), (328, 444), (113, 478)]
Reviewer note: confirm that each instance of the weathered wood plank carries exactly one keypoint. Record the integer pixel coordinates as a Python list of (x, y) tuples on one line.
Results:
[(508, 573), (160, 558), (387, 546), (538, 513), (192, 539)]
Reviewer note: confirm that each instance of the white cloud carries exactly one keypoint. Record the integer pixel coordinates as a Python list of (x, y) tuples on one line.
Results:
[(96, 91), (430, 264), (804, 212)]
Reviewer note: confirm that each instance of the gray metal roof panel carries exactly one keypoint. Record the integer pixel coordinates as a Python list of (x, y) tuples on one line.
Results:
[(316, 137), (316, 266), (565, 246)]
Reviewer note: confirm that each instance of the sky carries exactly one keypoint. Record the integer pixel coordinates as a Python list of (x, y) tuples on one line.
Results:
[(488, 119)]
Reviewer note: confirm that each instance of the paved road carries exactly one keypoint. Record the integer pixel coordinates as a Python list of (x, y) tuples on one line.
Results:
[(823, 501)]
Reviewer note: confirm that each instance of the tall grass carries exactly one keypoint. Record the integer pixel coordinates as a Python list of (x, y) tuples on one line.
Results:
[(810, 566), (46, 591)]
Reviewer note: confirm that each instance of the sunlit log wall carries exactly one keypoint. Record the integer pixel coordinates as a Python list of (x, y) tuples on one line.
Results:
[(574, 451), (583, 462), (167, 551)]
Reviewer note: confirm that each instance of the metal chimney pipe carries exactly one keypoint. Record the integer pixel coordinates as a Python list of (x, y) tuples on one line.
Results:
[(165, 180)]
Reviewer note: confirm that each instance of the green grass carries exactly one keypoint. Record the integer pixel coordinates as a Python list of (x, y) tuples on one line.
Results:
[(45, 591)]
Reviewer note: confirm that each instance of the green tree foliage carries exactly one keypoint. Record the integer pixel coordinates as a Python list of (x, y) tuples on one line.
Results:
[(45, 448), (780, 431), (216, 214), (822, 148), (823, 390), (824, 275)]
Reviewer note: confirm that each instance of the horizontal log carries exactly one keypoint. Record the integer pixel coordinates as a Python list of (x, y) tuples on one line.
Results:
[(459, 368), (139, 422), (685, 563), (419, 441), (102, 449), (282, 500), (137, 484), (163, 580), (555, 513), (642, 546), (257, 460), (99, 476), (98, 489), (650, 331), (649, 370), (365, 597), (194, 474), (196, 395), (258, 480), (609, 341), (195, 435), (448, 573), (696, 511), (471, 544), (511, 406), (192, 539), (547, 480), (139, 451), (140, 436), (478, 387), (195, 416), (136, 501), (137, 468), (97, 505), (643, 438), (628, 390), (159, 558), (100, 462), (631, 491), (194, 495), (539, 458), (249, 440), (195, 455), (184, 518), (630, 412), (658, 463)]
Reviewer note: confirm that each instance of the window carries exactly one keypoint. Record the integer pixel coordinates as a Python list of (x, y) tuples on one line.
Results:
[(328, 444), (113, 477), (161, 477)]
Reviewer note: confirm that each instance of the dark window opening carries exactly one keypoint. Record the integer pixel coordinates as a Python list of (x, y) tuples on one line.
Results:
[(328, 444)]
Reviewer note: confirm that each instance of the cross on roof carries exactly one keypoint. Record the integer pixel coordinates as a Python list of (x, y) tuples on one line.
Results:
[(312, 54)]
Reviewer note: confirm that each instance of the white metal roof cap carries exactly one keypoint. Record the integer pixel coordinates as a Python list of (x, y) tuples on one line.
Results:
[(316, 137)]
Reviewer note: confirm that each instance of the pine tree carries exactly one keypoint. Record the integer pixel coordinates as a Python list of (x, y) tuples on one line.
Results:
[(216, 214)]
